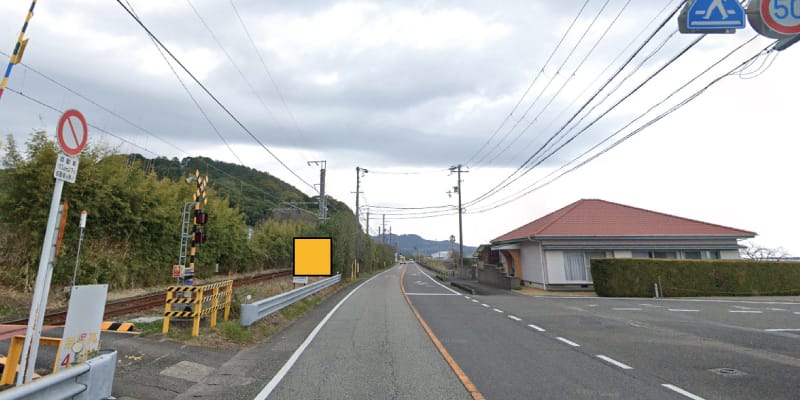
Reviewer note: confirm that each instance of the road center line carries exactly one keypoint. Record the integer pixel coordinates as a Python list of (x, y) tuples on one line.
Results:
[(475, 301), (682, 310), (745, 311), (782, 330), (273, 383), (485, 305), (498, 310), (536, 327), (681, 391), (567, 341), (614, 362), (627, 309), (515, 318)]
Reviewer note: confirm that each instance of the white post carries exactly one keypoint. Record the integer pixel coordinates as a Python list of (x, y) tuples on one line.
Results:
[(39, 303)]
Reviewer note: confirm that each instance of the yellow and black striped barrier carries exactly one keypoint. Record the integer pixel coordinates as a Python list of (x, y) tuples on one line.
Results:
[(198, 303)]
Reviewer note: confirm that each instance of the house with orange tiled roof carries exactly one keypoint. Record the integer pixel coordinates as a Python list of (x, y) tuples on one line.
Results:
[(554, 250)]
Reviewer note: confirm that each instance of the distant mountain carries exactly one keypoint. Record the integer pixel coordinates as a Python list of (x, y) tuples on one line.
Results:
[(414, 244)]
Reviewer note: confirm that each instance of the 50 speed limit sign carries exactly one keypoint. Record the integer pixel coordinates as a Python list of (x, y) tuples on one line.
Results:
[(782, 16)]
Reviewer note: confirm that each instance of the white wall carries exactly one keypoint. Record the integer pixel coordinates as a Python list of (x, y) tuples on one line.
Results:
[(531, 259), (729, 254), (623, 254)]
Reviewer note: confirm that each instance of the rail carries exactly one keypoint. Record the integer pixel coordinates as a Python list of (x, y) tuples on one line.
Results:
[(87, 381), (260, 309)]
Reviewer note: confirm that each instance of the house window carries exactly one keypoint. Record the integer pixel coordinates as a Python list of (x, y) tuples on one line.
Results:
[(577, 263), (664, 254), (692, 255), (711, 254), (640, 254)]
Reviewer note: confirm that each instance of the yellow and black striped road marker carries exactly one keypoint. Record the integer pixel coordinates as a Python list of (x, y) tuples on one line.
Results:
[(117, 326)]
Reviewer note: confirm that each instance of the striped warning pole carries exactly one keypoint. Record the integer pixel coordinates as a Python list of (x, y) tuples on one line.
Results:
[(19, 48), (198, 197)]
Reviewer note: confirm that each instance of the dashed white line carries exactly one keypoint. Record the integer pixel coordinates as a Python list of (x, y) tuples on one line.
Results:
[(467, 297), (783, 330), (475, 301), (430, 294), (569, 342), (484, 304), (497, 310), (614, 362), (682, 310), (536, 327), (798, 313), (681, 391), (743, 308), (777, 309), (515, 318), (745, 311), (650, 305), (627, 309), (591, 305)]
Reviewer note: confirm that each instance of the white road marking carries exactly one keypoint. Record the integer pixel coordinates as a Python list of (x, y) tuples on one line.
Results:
[(782, 330), (650, 305), (777, 309), (745, 311), (591, 305), (484, 304), (273, 383), (515, 318), (627, 309), (475, 301), (536, 327), (681, 310), (613, 361), (437, 282), (744, 308), (467, 297), (798, 313), (498, 310), (681, 391), (431, 294), (569, 342)]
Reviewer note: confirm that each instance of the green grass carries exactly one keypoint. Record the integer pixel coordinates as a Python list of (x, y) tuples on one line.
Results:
[(148, 328), (234, 332), (298, 309)]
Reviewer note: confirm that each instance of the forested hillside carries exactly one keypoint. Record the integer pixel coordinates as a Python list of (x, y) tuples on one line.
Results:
[(135, 204)]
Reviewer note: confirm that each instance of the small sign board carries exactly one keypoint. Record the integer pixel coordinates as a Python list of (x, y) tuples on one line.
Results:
[(66, 168), (82, 330), (300, 279), (176, 271)]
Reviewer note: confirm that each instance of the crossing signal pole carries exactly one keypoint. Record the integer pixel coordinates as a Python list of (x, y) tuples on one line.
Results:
[(193, 212)]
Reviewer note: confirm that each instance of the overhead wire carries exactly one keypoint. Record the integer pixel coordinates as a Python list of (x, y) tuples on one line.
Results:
[(214, 98), (619, 70), (191, 96), (533, 82)]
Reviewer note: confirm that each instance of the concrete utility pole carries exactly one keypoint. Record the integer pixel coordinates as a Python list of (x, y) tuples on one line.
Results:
[(323, 201), (359, 172), (368, 234), (383, 230), (457, 169)]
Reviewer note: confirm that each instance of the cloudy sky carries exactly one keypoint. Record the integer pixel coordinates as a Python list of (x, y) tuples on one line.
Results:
[(516, 91)]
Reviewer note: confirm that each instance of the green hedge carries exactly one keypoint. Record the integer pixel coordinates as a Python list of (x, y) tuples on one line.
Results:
[(631, 277)]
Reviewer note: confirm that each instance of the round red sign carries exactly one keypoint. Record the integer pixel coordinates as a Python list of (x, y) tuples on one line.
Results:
[(782, 16), (73, 133)]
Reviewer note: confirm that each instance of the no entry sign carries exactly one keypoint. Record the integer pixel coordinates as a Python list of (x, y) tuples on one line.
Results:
[(73, 133)]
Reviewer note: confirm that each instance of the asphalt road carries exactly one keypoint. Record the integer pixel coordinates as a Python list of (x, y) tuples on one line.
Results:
[(514, 346), (371, 347)]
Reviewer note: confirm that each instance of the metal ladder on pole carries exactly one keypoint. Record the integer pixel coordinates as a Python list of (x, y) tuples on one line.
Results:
[(186, 219)]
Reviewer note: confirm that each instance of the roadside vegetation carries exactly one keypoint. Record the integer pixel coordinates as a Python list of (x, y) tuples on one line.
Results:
[(134, 206)]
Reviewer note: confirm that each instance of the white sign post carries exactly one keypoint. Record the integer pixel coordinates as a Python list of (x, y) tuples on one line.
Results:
[(72, 142), (82, 329)]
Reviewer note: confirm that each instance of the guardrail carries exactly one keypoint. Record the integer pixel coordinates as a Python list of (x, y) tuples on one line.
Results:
[(87, 381), (260, 309)]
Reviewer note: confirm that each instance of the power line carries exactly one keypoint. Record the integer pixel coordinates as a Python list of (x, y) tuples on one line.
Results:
[(503, 184), (533, 82), (211, 95)]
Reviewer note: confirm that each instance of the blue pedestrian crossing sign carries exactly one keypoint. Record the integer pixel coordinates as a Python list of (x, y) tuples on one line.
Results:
[(715, 15)]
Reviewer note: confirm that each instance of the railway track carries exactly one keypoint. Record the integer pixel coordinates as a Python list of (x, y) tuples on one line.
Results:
[(145, 302)]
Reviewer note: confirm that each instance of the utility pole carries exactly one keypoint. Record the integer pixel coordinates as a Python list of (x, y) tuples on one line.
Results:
[(383, 230), (359, 172), (368, 234), (323, 202), (457, 169)]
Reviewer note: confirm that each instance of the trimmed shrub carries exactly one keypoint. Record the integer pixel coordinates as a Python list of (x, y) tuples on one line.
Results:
[(631, 277)]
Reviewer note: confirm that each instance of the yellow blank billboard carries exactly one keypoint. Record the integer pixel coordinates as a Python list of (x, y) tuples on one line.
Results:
[(313, 256)]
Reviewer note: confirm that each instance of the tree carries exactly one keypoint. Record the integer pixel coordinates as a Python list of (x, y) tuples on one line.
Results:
[(757, 252)]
